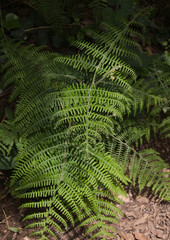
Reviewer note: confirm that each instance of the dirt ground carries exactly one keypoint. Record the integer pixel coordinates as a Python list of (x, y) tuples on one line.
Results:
[(144, 218)]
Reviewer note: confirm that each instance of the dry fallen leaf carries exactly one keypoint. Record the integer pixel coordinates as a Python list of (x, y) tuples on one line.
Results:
[(130, 214), (141, 220), (165, 236), (124, 198), (140, 236), (118, 238), (126, 224), (126, 236), (142, 199), (151, 227), (159, 233), (123, 235), (146, 220), (142, 227), (130, 236)]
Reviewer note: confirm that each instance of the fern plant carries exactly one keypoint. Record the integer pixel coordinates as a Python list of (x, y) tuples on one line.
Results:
[(156, 84), (52, 11), (97, 6), (75, 154), (55, 12), (161, 73)]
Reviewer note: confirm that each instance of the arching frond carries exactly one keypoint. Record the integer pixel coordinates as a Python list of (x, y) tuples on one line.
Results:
[(145, 168)]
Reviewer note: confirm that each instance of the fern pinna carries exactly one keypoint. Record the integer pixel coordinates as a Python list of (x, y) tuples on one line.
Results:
[(74, 153)]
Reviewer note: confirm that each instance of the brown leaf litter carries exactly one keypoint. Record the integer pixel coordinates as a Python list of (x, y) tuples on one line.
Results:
[(144, 220)]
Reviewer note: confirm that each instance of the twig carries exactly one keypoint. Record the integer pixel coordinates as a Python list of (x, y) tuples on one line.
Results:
[(3, 119), (2, 24), (46, 27), (6, 91), (6, 218), (5, 236), (36, 28)]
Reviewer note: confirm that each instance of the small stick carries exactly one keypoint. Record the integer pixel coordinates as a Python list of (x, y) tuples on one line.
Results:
[(36, 28), (6, 218), (5, 236)]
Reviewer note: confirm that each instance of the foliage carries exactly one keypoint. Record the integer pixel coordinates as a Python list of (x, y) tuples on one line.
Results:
[(157, 83), (76, 117), (7, 161), (59, 23), (165, 126), (53, 11)]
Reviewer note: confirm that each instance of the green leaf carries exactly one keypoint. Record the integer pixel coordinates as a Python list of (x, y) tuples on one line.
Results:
[(42, 37), (57, 40), (14, 229), (6, 163), (125, 8), (167, 57), (108, 15), (19, 34), (111, 3), (9, 114), (80, 36), (11, 21)]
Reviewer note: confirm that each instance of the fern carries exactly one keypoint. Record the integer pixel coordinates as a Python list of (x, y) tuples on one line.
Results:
[(8, 137), (107, 213), (97, 7), (55, 12), (145, 168), (153, 92), (75, 155), (165, 127), (52, 11)]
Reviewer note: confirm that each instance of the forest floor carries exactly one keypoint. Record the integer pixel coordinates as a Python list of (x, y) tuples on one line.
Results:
[(145, 217)]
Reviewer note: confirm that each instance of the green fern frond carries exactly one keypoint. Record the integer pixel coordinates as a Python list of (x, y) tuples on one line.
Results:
[(32, 67), (104, 57), (143, 95), (54, 179), (112, 34), (52, 11), (144, 167), (25, 63), (107, 213), (134, 131), (165, 127), (98, 6), (159, 83), (8, 139)]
